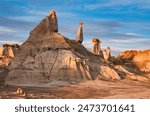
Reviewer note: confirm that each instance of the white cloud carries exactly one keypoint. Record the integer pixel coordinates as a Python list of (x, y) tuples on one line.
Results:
[(37, 12), (141, 4), (5, 30), (132, 34), (116, 48), (38, 15), (128, 40), (45, 13), (110, 3), (10, 42), (27, 18)]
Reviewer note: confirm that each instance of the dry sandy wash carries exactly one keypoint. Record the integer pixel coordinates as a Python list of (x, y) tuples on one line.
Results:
[(85, 90)]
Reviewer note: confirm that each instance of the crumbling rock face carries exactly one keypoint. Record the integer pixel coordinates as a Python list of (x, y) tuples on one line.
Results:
[(52, 65), (129, 73), (109, 72), (3, 74)]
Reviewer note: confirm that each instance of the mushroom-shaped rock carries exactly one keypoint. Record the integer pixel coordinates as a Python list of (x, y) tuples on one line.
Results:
[(96, 48), (79, 37)]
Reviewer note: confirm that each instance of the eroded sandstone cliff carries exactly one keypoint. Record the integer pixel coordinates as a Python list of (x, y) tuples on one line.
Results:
[(48, 56)]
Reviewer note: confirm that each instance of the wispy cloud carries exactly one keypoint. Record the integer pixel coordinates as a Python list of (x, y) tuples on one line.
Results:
[(117, 46), (45, 13), (9, 42), (108, 3), (115, 50), (130, 40), (27, 19), (15, 24), (5, 30), (119, 3), (120, 24), (132, 34), (36, 12)]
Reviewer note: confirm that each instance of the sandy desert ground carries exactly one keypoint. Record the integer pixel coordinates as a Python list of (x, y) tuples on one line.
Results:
[(97, 89)]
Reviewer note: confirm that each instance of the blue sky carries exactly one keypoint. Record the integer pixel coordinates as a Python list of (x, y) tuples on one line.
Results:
[(120, 24)]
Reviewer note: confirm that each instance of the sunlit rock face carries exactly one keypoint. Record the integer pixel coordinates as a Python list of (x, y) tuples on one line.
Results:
[(136, 59), (48, 56), (7, 53), (142, 60)]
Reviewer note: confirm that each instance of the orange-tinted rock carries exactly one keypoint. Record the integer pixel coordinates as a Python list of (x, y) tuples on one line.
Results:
[(95, 40), (142, 60), (1, 52), (137, 59), (7, 53)]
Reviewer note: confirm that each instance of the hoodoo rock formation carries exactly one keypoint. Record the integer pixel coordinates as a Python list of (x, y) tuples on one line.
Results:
[(48, 56), (79, 37), (96, 47), (107, 54), (7, 54), (52, 19)]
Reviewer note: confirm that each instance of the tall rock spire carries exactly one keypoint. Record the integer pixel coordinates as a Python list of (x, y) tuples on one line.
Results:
[(79, 37), (52, 18)]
